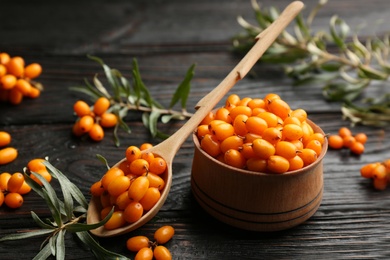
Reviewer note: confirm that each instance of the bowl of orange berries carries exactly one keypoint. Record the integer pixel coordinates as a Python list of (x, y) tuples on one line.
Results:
[(258, 164)]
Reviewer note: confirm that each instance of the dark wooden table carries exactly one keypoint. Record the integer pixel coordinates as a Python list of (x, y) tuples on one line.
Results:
[(353, 221)]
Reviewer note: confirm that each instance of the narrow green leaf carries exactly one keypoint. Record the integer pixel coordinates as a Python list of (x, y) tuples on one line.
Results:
[(79, 227), (98, 250), (44, 253), (368, 72), (28, 234), (183, 89), (60, 245), (107, 70), (100, 87), (40, 222), (52, 243), (103, 160), (339, 31), (153, 119)]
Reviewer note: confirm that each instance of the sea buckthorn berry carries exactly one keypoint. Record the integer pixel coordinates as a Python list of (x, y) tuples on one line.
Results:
[(4, 178), (233, 99), (136, 243), (300, 114), (15, 182), (76, 130), (4, 58), (105, 199), (139, 166), (256, 125), (307, 131), (119, 185), (150, 198), (24, 189), (3, 70), (335, 142), (108, 120), (86, 122), (239, 125), (1, 198), (110, 175), (15, 96), (145, 253), (133, 153), (315, 145), (147, 156), (379, 172), (256, 103), (285, 149), (256, 164), (138, 188), (296, 163), (222, 131), (162, 253), (223, 114), (298, 144), (44, 173), (357, 148), (164, 234), (23, 86), (271, 119), (96, 132), (269, 97), (348, 141), (208, 118), (104, 212), (308, 156), (97, 189), (155, 180), (8, 155), (122, 200), (81, 108), (157, 165), (234, 158), (8, 81), (291, 120), (133, 212), (101, 105), (317, 136), (263, 149), (116, 221), (279, 107), (272, 135), (277, 164), (367, 170), (380, 184), (32, 70), (292, 132), (244, 101), (145, 146), (240, 110), (34, 92), (344, 131), (13, 200), (250, 137), (15, 66), (232, 142), (361, 138), (5, 138), (36, 165), (210, 145), (201, 131)]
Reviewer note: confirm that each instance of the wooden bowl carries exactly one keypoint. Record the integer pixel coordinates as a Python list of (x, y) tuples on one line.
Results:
[(253, 200)]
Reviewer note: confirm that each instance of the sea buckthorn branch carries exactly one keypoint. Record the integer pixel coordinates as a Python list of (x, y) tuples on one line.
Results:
[(68, 215), (124, 96), (343, 66)]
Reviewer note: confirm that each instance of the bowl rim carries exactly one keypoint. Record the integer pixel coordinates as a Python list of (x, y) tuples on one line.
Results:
[(265, 174)]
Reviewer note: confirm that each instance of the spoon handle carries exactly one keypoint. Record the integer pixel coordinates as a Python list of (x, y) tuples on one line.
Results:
[(208, 102)]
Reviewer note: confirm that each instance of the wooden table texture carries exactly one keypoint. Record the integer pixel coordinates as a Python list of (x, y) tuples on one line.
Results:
[(166, 37)]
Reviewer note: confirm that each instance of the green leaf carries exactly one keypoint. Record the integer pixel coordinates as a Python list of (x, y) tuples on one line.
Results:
[(27, 234), (44, 253), (339, 31), (40, 222), (107, 70), (103, 160), (368, 72), (79, 227), (183, 89), (150, 121), (60, 245), (100, 87), (98, 250), (52, 243)]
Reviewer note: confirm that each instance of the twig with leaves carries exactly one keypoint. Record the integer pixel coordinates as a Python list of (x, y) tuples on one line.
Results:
[(125, 95), (343, 75), (68, 215)]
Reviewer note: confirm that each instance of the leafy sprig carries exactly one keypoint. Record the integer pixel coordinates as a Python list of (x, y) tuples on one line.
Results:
[(68, 216), (126, 95), (341, 64)]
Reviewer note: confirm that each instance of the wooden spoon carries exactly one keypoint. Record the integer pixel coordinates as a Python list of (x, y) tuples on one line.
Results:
[(168, 148)]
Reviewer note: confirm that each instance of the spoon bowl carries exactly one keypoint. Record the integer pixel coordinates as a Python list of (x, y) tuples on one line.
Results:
[(168, 148)]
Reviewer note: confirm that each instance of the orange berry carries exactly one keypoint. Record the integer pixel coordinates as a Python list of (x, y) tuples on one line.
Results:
[(96, 132), (256, 103), (145, 253), (15, 66), (279, 107), (285, 149), (271, 119), (223, 114), (110, 175), (162, 253), (247, 150), (300, 114), (379, 172), (232, 142), (85, 123), (1, 198), (380, 184), (36, 165), (292, 132), (210, 145), (145, 146), (239, 125), (256, 164), (3, 70), (296, 163), (234, 158), (201, 131), (357, 148), (5, 138), (263, 149), (155, 180), (158, 165), (133, 153), (315, 145), (97, 189), (15, 96), (116, 221), (138, 188), (44, 173), (335, 142), (108, 120), (101, 105), (233, 99), (308, 156), (119, 185), (151, 197), (272, 135), (222, 131), (256, 125), (122, 200), (34, 92), (139, 166), (8, 81), (4, 58), (361, 138), (348, 141), (277, 164), (133, 212), (13, 200), (8, 155), (344, 131), (367, 170), (4, 178), (81, 108), (15, 182), (76, 129), (164, 234), (136, 243), (24, 189), (240, 110), (32, 70), (208, 118), (23, 86)]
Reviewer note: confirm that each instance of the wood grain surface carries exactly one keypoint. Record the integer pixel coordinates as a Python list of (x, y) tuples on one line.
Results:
[(167, 37)]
